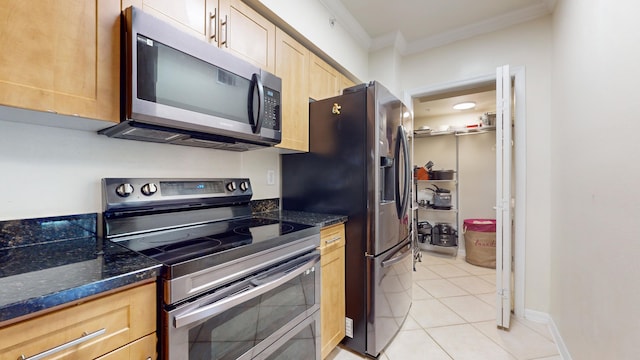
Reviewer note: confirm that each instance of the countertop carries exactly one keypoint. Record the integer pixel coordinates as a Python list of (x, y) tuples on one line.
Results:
[(48, 262), (306, 218)]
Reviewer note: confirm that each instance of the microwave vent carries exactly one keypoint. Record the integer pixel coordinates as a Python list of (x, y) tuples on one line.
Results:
[(226, 78), (150, 134)]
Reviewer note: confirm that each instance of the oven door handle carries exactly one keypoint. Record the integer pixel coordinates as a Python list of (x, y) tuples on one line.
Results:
[(261, 286)]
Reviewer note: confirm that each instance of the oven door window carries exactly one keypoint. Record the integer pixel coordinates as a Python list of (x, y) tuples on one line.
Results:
[(302, 343), (249, 327)]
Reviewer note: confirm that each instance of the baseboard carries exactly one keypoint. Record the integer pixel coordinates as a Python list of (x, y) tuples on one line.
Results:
[(545, 318)]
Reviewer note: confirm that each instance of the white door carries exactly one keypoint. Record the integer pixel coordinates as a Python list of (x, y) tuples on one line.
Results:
[(503, 195)]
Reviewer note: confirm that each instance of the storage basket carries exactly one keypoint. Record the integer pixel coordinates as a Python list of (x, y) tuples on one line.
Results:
[(480, 242)]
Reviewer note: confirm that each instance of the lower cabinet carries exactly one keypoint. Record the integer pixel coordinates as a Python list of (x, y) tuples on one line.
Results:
[(332, 303), (141, 349), (119, 326)]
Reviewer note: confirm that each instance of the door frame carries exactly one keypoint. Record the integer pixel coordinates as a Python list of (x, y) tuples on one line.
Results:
[(520, 159)]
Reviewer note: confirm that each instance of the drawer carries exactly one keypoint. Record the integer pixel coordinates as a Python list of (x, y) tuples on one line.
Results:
[(141, 349), (114, 321), (331, 238)]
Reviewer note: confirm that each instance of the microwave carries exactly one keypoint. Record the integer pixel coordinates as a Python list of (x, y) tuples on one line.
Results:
[(178, 89)]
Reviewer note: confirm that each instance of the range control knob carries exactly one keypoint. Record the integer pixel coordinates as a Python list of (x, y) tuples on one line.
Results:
[(149, 189), (244, 186), (124, 190), (232, 186)]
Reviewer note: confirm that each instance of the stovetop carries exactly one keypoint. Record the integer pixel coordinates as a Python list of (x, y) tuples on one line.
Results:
[(191, 225), (189, 249)]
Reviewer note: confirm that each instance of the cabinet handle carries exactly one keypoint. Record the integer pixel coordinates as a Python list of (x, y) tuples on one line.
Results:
[(213, 24), (225, 23), (332, 240), (83, 338)]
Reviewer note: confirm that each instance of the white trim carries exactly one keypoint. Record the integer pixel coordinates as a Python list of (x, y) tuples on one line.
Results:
[(482, 27), (520, 210), (520, 155), (537, 316), (562, 347), (544, 318), (397, 40)]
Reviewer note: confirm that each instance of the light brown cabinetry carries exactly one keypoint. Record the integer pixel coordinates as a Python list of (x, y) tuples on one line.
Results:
[(141, 349), (61, 56), (247, 34), (196, 17), (228, 24), (292, 66), (126, 317), (332, 303), (324, 80), (345, 82)]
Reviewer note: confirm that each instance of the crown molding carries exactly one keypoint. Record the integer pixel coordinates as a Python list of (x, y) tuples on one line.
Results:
[(343, 17), (465, 32), (394, 39)]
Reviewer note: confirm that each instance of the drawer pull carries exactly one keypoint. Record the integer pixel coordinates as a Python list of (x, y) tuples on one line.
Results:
[(64, 346), (332, 240)]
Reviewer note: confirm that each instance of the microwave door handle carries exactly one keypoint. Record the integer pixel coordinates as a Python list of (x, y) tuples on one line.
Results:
[(256, 121)]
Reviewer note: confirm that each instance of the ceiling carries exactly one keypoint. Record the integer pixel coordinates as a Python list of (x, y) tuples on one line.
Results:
[(417, 25), (412, 26)]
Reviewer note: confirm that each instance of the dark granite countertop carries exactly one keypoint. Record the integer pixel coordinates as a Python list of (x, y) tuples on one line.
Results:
[(307, 218), (52, 261)]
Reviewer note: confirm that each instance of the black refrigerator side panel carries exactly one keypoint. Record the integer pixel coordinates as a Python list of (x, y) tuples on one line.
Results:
[(332, 179)]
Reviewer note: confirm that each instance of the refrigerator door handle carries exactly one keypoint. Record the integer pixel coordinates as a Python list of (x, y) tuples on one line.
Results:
[(402, 144), (397, 258)]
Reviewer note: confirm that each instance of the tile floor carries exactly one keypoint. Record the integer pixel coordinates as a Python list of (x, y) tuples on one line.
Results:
[(453, 317)]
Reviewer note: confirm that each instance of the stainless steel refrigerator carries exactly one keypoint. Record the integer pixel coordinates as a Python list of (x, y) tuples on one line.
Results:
[(358, 165)]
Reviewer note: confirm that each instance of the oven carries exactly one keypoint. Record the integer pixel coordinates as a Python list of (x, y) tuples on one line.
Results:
[(233, 285)]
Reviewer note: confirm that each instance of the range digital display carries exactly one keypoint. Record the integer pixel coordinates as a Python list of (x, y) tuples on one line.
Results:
[(170, 188)]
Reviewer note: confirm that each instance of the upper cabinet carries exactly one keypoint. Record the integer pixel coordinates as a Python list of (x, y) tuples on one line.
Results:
[(61, 56), (345, 82), (229, 24), (292, 66), (196, 17), (324, 80), (247, 34)]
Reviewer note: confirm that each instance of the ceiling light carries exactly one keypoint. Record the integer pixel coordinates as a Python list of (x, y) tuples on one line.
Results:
[(464, 105), (406, 114)]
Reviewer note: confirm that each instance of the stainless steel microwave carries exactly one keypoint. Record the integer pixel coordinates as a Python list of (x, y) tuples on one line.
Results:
[(181, 90)]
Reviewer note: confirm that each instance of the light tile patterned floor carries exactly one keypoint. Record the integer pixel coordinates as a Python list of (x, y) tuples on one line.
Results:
[(453, 317)]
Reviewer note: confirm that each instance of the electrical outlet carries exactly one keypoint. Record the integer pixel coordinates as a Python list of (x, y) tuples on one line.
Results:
[(348, 322), (271, 177)]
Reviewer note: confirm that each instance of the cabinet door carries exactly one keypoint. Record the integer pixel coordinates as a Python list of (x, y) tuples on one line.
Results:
[(61, 56), (345, 82), (332, 302), (247, 34), (116, 319), (141, 349), (292, 65), (196, 17), (323, 79)]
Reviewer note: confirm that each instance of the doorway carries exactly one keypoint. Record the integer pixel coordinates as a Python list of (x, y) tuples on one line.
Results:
[(487, 85)]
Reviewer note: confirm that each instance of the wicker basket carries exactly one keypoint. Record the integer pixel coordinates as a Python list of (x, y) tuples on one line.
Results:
[(480, 242)]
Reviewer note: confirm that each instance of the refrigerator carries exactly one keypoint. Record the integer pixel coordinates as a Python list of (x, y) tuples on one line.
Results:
[(359, 165)]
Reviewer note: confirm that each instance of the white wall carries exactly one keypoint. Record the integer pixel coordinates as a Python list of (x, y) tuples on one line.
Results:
[(384, 66), (48, 171), (595, 202), (311, 19), (527, 45)]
